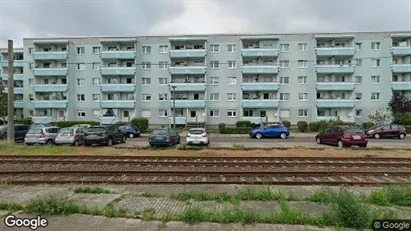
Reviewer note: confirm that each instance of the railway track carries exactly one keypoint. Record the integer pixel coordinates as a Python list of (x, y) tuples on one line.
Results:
[(201, 170)]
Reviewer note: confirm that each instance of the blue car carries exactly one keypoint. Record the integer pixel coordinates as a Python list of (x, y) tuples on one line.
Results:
[(270, 131), (130, 131)]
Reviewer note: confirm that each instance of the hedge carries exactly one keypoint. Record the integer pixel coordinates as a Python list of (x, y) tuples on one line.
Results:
[(65, 124), (243, 124), (287, 123), (25, 121), (402, 118), (140, 122), (407, 128), (221, 128), (302, 126), (229, 130)]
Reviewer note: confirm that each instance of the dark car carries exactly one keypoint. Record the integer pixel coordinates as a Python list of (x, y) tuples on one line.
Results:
[(104, 135), (164, 137), (130, 131), (19, 132), (273, 130), (387, 131), (343, 136)]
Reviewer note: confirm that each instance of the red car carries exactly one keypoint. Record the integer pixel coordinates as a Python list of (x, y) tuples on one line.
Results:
[(343, 136), (387, 131)]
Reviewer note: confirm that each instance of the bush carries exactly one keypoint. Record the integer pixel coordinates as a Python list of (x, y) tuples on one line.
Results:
[(323, 125), (140, 122), (287, 123), (243, 124), (221, 128), (302, 126), (235, 131), (408, 128), (339, 122), (25, 121), (402, 118), (314, 126), (368, 125), (65, 124)]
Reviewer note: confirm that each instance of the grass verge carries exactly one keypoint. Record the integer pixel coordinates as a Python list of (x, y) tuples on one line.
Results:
[(95, 190), (43, 149)]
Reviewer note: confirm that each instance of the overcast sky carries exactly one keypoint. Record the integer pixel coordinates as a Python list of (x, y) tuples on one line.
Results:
[(35, 18)]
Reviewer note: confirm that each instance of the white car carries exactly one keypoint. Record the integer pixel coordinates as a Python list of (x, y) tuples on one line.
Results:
[(197, 136)]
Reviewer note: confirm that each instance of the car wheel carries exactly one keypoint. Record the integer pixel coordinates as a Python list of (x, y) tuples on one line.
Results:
[(131, 135), (376, 136), (401, 136), (258, 135), (283, 135), (88, 145), (109, 142), (318, 140), (340, 144), (76, 143), (123, 140), (49, 142)]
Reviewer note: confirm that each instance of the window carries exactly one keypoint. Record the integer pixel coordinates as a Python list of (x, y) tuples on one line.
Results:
[(96, 66), (80, 50), (358, 112), (231, 47), (146, 81), (146, 97), (284, 96), (376, 62), (30, 50), (162, 113), (303, 46), (302, 63), (146, 49), (80, 66), (358, 62), (81, 114), (231, 113), (96, 50), (375, 45), (375, 96), (358, 79), (214, 96), (163, 65), (213, 80), (302, 79), (303, 112), (284, 80), (81, 97), (96, 113), (232, 80), (163, 49), (80, 81), (231, 96), (285, 63), (358, 46), (231, 64), (215, 64), (96, 97), (162, 97), (146, 65), (358, 96), (214, 112), (285, 113), (146, 113), (96, 81), (214, 48), (284, 47), (31, 97), (375, 79), (303, 96), (162, 81)]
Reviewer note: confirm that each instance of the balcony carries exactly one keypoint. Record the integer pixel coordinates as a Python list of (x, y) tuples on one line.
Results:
[(50, 103), (50, 71), (180, 120), (50, 55), (339, 69), (118, 54), (253, 119), (188, 53), (118, 103), (187, 70), (326, 117), (189, 86), (18, 104), (50, 87), (401, 86), (16, 63), (259, 52), (41, 119), (109, 119), (401, 51), (18, 77), (260, 103), (335, 51), (335, 103), (260, 86), (118, 70), (118, 87), (17, 90), (335, 86), (401, 68), (259, 69), (188, 103)]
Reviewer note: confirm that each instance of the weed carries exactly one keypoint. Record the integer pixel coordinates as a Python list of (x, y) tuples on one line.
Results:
[(258, 194), (324, 195), (223, 197), (378, 198), (96, 190), (10, 207), (187, 147), (192, 195), (238, 146), (51, 206), (149, 194), (148, 214), (398, 195)]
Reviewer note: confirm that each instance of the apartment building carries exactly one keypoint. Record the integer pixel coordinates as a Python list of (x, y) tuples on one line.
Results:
[(211, 79)]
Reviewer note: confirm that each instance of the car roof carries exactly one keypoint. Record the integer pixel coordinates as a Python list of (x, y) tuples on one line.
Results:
[(203, 129)]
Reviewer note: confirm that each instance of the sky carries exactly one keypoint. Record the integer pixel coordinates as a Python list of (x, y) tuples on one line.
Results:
[(48, 18)]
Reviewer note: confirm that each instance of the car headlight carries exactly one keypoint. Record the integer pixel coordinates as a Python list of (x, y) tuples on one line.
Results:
[(370, 131)]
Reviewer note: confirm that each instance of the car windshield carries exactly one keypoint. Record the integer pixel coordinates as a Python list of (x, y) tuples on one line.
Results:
[(160, 132), (66, 130), (97, 129), (196, 132), (34, 131), (353, 130)]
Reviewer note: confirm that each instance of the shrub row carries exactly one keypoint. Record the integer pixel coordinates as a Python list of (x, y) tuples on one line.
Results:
[(65, 124), (25, 121), (140, 122), (243, 124), (408, 128), (228, 130), (319, 126)]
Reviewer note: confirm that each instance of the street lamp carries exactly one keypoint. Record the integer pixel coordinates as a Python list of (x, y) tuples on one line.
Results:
[(174, 106)]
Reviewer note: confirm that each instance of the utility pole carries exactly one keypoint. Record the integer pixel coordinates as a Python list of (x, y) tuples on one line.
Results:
[(174, 106), (10, 103)]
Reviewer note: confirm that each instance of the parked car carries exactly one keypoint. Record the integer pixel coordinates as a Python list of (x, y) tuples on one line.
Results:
[(387, 131), (197, 136), (104, 135), (161, 137), (343, 136), (41, 135), (272, 130), (85, 126), (71, 135), (19, 132), (130, 131)]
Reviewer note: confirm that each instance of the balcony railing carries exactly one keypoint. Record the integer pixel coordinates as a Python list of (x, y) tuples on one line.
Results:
[(17, 90), (180, 120), (335, 51), (118, 70), (253, 119), (260, 103), (42, 119), (189, 86), (334, 68), (326, 117), (18, 104), (335, 86), (50, 103), (188, 53), (50, 71), (118, 103), (50, 87), (401, 86), (188, 103), (258, 68), (187, 70), (50, 55), (401, 50), (16, 63), (335, 103), (109, 119), (401, 68), (118, 87), (264, 86), (260, 52), (118, 54)]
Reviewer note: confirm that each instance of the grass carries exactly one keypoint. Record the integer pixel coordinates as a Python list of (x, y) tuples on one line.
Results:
[(51, 206), (12, 207), (95, 190), (237, 146), (187, 147), (148, 214), (148, 194), (43, 149)]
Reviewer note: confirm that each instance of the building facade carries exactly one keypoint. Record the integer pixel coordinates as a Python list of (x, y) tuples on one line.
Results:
[(211, 79)]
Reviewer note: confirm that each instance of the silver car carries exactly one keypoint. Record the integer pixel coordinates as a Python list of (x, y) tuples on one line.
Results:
[(197, 136), (72, 135), (41, 135)]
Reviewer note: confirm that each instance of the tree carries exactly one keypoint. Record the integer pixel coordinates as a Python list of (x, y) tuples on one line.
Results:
[(3, 102), (399, 103), (380, 116)]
